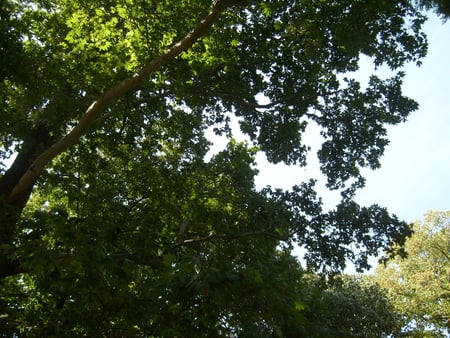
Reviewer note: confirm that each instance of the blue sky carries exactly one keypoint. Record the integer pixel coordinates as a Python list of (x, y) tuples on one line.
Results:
[(415, 172)]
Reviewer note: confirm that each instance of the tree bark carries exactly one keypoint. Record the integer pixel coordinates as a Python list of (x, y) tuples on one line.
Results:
[(37, 140)]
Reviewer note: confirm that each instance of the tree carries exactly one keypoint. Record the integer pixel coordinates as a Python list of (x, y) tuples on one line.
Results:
[(349, 306), (115, 223), (419, 285), (441, 7)]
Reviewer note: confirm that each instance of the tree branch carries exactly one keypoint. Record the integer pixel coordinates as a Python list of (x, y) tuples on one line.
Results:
[(237, 100), (212, 237), (91, 114), (154, 262)]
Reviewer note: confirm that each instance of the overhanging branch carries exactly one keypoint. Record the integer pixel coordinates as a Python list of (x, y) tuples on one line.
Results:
[(92, 113)]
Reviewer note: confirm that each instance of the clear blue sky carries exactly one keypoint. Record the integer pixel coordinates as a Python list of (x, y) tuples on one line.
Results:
[(415, 172)]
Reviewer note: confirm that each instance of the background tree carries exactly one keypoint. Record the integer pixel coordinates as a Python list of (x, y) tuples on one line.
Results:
[(419, 285), (349, 306), (116, 223)]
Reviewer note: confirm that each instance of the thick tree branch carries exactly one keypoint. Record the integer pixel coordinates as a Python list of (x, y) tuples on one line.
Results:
[(92, 113)]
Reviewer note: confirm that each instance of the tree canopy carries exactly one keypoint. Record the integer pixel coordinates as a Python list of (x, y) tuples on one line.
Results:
[(440, 7), (419, 285), (115, 222), (349, 306)]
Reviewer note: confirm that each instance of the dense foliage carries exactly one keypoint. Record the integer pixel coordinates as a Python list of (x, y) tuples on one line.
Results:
[(115, 222), (419, 286), (348, 307)]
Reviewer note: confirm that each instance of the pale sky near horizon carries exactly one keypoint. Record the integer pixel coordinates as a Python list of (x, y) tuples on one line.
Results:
[(415, 171)]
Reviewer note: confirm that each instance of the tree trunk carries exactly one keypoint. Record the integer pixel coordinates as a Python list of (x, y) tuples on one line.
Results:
[(36, 142)]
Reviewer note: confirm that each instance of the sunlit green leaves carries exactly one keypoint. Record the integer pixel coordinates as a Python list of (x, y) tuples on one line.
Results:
[(418, 284)]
